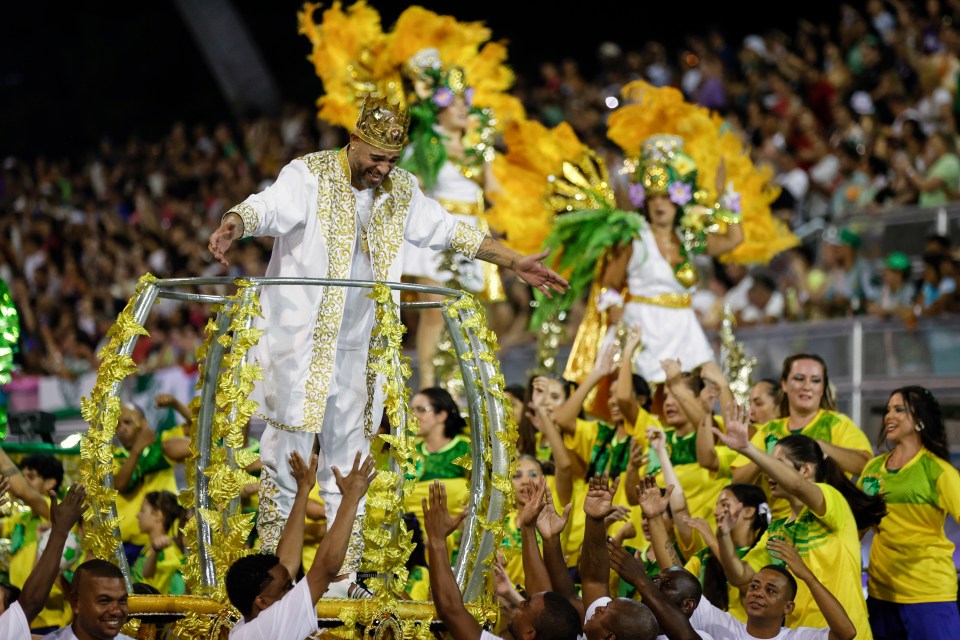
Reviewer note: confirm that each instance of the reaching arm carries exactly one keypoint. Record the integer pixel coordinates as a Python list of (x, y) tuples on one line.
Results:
[(566, 414), (674, 624), (123, 479), (625, 398), (168, 400), (851, 461), (654, 505), (719, 244), (447, 598), (21, 488), (678, 501), (841, 627), (706, 453), (594, 559), (562, 460), (63, 516), (738, 572), (530, 268), (535, 575), (737, 438), (230, 229), (551, 524), (290, 546), (690, 403), (333, 548), (636, 462), (712, 374)]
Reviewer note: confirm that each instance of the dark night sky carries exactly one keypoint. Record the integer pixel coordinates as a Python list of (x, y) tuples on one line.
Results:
[(73, 72)]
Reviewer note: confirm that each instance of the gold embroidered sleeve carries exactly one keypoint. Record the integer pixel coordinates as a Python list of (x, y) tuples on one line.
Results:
[(249, 216), (466, 239)]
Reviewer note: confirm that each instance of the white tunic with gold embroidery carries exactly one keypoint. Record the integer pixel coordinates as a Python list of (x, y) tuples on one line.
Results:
[(326, 229)]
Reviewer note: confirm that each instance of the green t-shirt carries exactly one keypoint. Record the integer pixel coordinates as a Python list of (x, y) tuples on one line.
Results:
[(441, 465), (947, 168)]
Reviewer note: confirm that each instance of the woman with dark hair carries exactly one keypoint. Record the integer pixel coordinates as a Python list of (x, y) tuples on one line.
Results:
[(807, 407), (746, 507), (827, 514), (159, 518), (441, 448), (441, 435), (912, 584)]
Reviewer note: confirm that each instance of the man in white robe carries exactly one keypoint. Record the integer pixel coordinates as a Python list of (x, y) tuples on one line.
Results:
[(339, 214)]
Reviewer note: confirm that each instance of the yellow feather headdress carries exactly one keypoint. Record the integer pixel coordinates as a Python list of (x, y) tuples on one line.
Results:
[(650, 111), (353, 56)]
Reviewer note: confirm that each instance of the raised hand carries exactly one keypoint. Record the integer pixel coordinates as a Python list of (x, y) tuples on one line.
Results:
[(306, 476), (354, 485), (532, 271), (629, 568), (620, 513), (220, 240), (783, 550), (634, 340), (551, 524), (727, 520), (66, 514), (711, 372), (652, 501), (437, 521), (658, 441), (626, 532), (737, 423), (598, 503), (638, 456), (533, 505), (671, 367)]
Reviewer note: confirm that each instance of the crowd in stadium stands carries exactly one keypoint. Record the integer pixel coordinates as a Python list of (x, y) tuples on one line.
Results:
[(675, 493), (857, 116)]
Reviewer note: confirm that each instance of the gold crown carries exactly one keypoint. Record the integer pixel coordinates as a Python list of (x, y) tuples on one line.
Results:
[(382, 124)]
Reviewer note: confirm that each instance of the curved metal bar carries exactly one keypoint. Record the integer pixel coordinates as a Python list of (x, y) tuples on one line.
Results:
[(166, 294), (203, 436), (500, 462), (140, 310), (421, 305), (478, 479)]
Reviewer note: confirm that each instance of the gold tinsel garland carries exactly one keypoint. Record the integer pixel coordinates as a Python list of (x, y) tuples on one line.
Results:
[(486, 609), (235, 383), (101, 410)]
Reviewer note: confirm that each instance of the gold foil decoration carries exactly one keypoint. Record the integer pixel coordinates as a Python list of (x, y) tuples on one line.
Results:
[(737, 366)]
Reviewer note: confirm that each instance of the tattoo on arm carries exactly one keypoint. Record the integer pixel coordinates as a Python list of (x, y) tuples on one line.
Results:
[(12, 470), (672, 554)]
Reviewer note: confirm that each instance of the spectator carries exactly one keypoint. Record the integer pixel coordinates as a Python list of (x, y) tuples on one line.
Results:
[(98, 597), (260, 586), (766, 303), (544, 615), (898, 293), (940, 183), (17, 615)]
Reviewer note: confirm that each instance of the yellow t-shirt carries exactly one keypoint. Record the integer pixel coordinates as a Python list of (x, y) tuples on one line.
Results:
[(313, 532), (830, 547), (169, 564), (828, 426), (911, 558), (161, 479)]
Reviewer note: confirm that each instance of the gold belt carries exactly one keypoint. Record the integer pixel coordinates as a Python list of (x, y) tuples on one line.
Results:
[(669, 300), (462, 208)]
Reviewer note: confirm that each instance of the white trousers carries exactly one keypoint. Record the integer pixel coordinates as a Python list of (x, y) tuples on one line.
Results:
[(341, 438)]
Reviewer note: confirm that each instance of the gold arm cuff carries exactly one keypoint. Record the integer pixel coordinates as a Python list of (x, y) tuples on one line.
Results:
[(669, 300)]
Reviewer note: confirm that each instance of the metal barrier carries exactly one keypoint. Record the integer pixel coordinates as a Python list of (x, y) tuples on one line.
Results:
[(868, 357)]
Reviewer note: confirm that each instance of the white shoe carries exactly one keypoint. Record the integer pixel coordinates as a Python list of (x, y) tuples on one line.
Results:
[(347, 588)]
